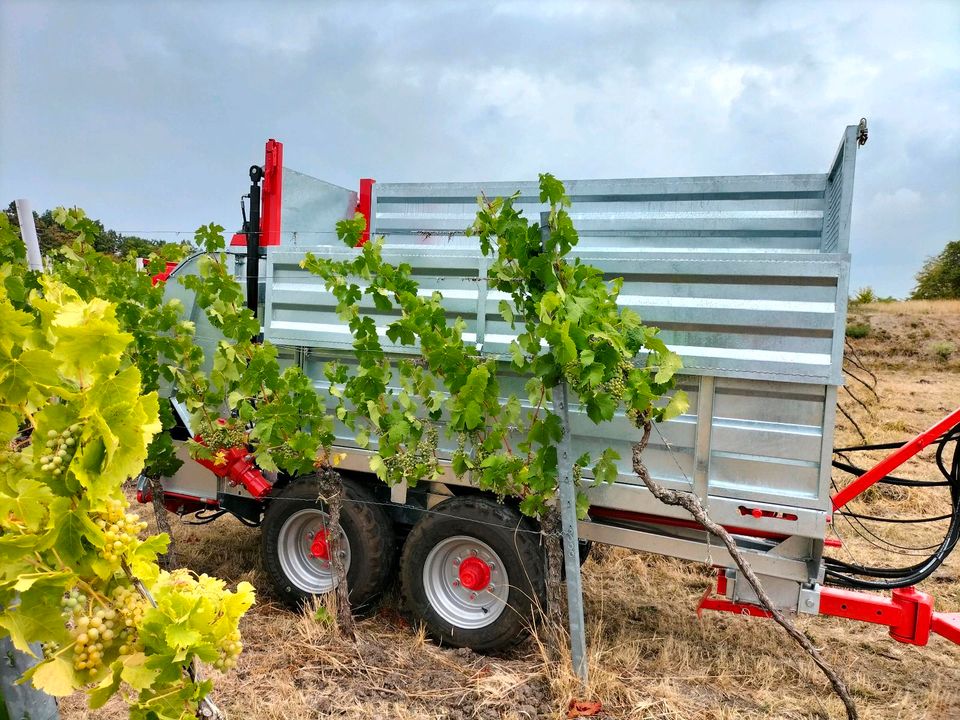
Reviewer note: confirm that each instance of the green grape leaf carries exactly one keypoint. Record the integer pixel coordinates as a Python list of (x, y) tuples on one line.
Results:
[(670, 363), (136, 673), (55, 676)]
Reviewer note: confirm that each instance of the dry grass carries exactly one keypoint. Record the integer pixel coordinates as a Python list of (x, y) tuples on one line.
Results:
[(650, 656)]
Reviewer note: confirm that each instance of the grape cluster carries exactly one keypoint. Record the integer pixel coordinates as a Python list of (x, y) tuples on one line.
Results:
[(415, 463), (93, 631), (224, 434), (230, 649), (60, 447), (617, 385), (120, 529), (130, 606)]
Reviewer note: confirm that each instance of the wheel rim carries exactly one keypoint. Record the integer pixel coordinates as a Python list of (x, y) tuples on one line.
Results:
[(301, 538), (465, 582)]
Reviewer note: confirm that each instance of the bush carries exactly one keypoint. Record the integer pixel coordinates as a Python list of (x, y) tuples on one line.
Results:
[(858, 330), (939, 278), (943, 350), (864, 296)]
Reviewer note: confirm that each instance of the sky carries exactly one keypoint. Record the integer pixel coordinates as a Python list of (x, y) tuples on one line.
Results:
[(148, 114)]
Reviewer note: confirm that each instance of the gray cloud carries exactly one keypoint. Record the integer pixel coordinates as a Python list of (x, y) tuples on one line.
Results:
[(148, 115)]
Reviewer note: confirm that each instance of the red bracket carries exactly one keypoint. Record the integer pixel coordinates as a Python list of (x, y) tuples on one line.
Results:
[(365, 206)]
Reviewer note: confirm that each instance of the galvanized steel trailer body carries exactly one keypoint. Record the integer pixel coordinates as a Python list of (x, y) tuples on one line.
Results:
[(747, 277)]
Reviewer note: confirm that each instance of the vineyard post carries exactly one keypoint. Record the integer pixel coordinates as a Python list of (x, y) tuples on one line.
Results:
[(571, 544), (28, 231)]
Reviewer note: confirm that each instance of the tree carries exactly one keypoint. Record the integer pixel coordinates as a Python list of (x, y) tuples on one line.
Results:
[(52, 235), (939, 278)]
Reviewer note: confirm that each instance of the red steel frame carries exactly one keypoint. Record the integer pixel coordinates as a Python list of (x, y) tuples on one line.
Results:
[(908, 612), (895, 460)]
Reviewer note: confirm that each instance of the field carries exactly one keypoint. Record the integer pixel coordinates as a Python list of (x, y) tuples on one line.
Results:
[(651, 657)]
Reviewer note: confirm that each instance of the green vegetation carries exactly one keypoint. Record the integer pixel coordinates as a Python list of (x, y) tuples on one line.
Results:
[(53, 235), (858, 330), (943, 350), (939, 278)]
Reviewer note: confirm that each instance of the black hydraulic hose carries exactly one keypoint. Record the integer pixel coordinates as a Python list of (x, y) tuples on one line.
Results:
[(843, 573)]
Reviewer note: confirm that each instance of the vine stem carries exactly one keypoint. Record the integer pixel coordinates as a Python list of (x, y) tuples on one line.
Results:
[(691, 503)]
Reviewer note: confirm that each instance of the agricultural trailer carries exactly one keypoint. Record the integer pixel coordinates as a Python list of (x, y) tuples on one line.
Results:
[(747, 277)]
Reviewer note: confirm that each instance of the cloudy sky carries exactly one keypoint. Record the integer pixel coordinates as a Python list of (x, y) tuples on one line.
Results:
[(148, 114)]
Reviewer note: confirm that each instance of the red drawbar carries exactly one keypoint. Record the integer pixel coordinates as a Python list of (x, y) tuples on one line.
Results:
[(895, 460), (365, 206), (907, 612)]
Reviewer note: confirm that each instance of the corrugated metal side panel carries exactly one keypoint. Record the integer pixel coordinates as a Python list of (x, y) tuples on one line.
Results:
[(766, 213), (748, 315), (761, 330)]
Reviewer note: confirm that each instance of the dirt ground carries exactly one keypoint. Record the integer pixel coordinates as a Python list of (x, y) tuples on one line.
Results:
[(650, 656)]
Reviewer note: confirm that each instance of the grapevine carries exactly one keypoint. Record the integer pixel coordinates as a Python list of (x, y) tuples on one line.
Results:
[(572, 330), (75, 423)]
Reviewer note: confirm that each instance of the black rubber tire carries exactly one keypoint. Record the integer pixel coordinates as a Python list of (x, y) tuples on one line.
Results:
[(512, 537), (366, 525)]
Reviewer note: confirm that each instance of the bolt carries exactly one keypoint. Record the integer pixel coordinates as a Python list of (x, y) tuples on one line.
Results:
[(456, 561), (809, 602), (473, 552), (493, 568), (456, 583), (491, 588), (309, 536), (473, 596)]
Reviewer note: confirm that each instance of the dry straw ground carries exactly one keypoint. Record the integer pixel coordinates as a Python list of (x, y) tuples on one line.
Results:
[(650, 655)]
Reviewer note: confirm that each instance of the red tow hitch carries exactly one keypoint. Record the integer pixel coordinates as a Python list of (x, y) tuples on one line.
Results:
[(237, 466), (908, 612)]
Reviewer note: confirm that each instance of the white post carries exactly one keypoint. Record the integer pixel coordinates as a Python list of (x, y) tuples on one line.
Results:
[(28, 231)]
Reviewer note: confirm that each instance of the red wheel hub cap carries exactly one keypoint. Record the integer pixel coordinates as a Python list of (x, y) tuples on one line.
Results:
[(474, 574), (319, 547)]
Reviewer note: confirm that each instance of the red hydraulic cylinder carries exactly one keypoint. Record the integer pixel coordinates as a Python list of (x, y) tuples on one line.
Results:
[(237, 466)]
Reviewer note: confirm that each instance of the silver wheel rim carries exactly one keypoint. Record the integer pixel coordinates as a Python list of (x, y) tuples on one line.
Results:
[(309, 573), (465, 607)]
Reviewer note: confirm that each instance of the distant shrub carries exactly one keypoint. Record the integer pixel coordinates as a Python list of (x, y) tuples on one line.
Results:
[(864, 296), (943, 350), (858, 330)]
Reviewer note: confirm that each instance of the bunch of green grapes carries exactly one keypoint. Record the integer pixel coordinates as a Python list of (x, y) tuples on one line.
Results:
[(230, 649), (617, 385), (130, 607), (60, 447), (120, 529), (224, 434), (413, 463), (93, 631)]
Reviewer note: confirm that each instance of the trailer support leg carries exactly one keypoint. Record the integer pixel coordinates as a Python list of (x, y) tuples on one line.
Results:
[(571, 549)]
